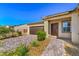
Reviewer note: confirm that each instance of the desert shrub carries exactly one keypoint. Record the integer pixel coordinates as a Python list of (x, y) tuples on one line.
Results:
[(7, 53), (41, 35), (21, 50), (19, 33), (2, 54), (34, 43), (15, 34), (4, 32), (1, 37), (9, 35)]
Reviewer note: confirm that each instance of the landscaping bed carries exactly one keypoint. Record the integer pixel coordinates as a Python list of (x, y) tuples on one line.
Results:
[(32, 48), (8, 33), (38, 50)]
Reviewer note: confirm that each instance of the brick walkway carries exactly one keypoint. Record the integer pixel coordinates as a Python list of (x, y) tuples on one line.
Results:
[(55, 48), (12, 43)]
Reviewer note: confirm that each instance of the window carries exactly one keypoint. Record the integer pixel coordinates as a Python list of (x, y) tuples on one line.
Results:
[(66, 26), (25, 30)]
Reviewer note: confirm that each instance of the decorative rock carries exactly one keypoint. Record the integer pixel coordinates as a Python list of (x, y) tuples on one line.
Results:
[(12, 43)]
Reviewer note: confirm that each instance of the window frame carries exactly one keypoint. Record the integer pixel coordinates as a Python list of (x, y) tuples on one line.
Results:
[(67, 26)]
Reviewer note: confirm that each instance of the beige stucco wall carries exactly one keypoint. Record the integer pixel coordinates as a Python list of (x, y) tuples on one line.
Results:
[(63, 34), (74, 35), (28, 30), (33, 25), (59, 20), (46, 24), (75, 28), (60, 33), (21, 28)]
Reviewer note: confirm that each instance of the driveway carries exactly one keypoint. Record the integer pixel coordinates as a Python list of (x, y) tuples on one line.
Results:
[(11, 43)]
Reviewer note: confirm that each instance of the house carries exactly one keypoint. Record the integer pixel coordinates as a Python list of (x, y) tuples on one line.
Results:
[(21, 28), (62, 25), (34, 27), (65, 25)]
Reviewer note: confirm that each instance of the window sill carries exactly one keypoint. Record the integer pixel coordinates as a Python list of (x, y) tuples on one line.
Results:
[(66, 32)]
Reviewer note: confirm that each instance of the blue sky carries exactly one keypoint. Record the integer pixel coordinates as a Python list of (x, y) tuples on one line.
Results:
[(21, 13)]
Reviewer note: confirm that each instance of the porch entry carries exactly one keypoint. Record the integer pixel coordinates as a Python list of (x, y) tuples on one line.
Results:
[(54, 29)]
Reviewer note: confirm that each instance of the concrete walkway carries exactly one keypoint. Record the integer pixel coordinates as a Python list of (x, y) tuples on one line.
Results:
[(70, 48), (55, 48), (12, 43)]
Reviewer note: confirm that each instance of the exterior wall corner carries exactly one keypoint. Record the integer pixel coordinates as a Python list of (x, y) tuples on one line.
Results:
[(75, 28), (46, 28)]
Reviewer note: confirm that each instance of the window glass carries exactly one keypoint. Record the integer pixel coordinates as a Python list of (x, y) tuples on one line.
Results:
[(66, 26)]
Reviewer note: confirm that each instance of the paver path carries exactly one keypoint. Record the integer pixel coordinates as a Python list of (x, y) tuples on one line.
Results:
[(11, 43), (55, 48)]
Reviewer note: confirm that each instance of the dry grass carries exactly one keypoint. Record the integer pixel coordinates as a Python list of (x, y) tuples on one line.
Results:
[(37, 51)]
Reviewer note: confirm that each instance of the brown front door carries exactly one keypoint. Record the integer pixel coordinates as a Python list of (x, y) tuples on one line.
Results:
[(54, 29)]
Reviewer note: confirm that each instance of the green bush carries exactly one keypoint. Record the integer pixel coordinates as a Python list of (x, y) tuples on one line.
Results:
[(15, 34), (41, 35), (4, 32), (9, 53), (19, 33), (34, 43), (1, 37), (21, 50), (2, 54)]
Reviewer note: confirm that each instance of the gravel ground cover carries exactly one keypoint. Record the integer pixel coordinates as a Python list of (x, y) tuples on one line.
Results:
[(12, 43)]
